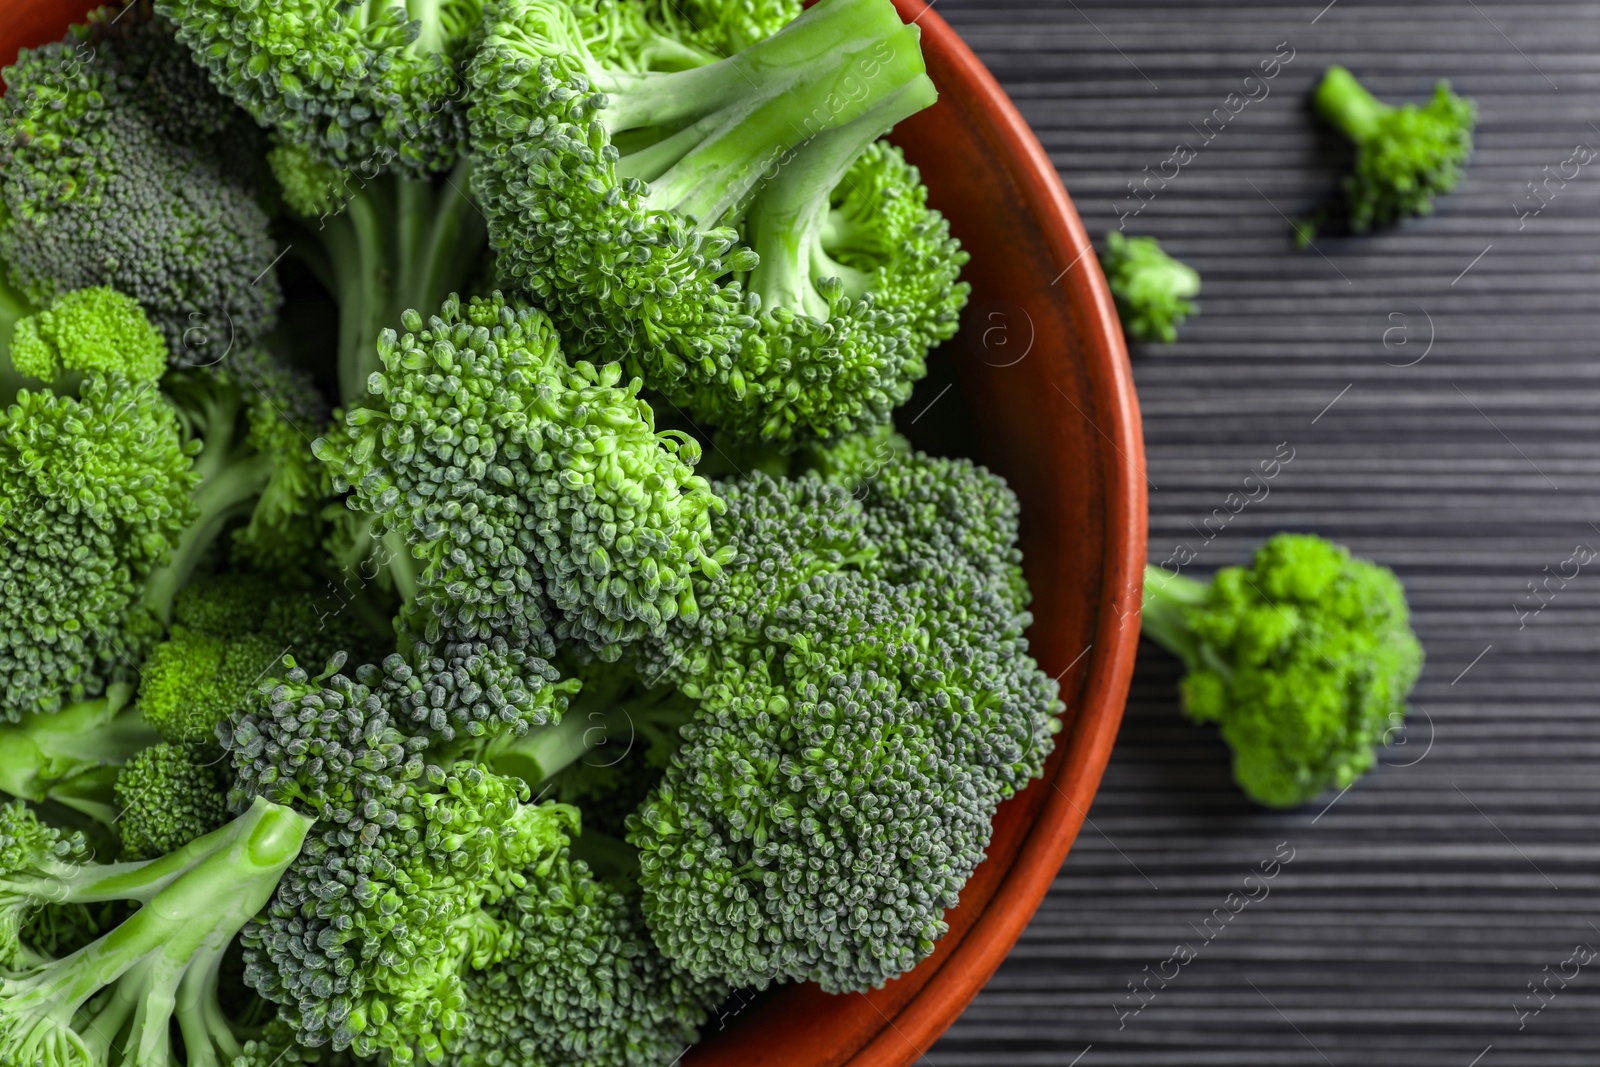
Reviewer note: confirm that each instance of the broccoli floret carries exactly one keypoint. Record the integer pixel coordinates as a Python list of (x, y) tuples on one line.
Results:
[(363, 83), (1405, 156), (1153, 291), (667, 35), (94, 490), (117, 488), (167, 799), (115, 170), (381, 243), (365, 942), (229, 632), (875, 644), (1304, 659), (73, 755), (618, 199), (582, 982), (525, 486), (116, 999), (854, 462)]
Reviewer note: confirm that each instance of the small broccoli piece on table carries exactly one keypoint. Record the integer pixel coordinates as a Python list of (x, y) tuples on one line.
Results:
[(1304, 659), (117, 167), (1405, 156), (1153, 291), (364, 83), (117, 998), (524, 485), (166, 797), (625, 198)]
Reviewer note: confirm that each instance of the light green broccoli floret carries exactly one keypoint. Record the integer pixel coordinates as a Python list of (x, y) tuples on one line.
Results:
[(167, 799), (89, 331), (1153, 291), (1304, 659), (1405, 156)]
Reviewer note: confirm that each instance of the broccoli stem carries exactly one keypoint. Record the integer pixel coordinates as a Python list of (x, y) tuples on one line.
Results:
[(1164, 617), (788, 220), (1346, 103), (160, 964), (731, 121), (60, 756), (223, 495), (13, 308), (603, 714)]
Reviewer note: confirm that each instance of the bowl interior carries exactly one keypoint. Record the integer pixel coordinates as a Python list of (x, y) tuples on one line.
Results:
[(1043, 370)]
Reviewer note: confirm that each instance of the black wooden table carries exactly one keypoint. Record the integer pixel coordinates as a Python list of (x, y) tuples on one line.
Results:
[(1437, 388)]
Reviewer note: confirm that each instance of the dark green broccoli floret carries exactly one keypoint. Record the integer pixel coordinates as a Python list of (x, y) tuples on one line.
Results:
[(1152, 290), (119, 167), (582, 982), (1405, 156), (853, 693), (365, 83), (525, 486), (621, 197), (165, 799), (1304, 659), (116, 999)]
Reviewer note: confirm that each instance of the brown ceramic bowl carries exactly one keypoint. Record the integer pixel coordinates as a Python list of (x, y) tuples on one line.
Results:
[(1042, 364)]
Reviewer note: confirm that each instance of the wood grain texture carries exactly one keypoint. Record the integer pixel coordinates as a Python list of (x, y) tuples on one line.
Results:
[(1420, 906)]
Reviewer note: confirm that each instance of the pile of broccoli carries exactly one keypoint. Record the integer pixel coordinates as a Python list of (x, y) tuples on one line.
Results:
[(388, 672)]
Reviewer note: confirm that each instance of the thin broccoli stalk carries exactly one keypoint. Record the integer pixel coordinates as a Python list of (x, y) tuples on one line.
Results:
[(73, 756), (229, 485), (162, 963), (385, 245), (608, 714), (1347, 104), (1164, 617), (14, 307), (789, 220)]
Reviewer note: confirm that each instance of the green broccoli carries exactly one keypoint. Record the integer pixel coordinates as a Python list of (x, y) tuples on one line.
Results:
[(117, 487), (228, 633), (524, 485), (1152, 290), (1304, 659), (381, 243), (1405, 156), (115, 170), (407, 896), (362, 83), (623, 200), (73, 756), (116, 999), (822, 656), (166, 797)]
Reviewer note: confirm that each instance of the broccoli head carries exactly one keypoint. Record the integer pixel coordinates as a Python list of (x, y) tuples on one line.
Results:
[(362, 83), (622, 198), (865, 702), (1153, 291), (1405, 156), (582, 982), (117, 167), (526, 486), (1304, 659), (166, 797)]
